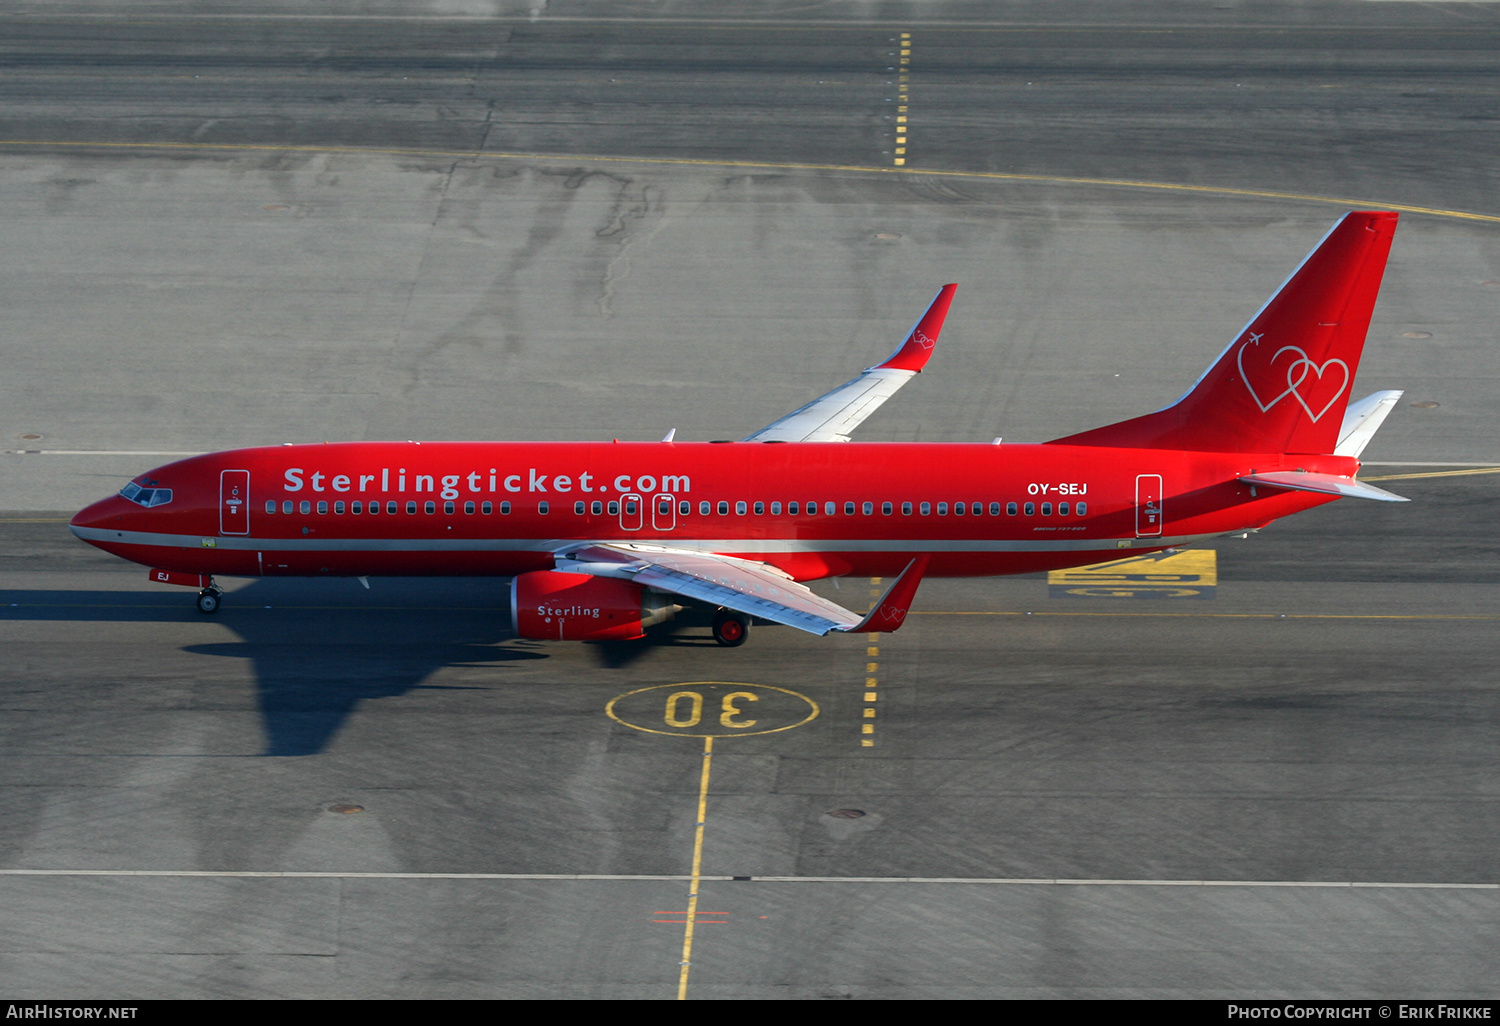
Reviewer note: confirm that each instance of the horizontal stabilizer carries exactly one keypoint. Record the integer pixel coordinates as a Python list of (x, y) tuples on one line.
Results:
[(830, 418), (1327, 484), (1362, 420)]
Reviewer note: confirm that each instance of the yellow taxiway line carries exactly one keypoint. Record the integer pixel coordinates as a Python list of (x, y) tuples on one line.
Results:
[(1119, 183)]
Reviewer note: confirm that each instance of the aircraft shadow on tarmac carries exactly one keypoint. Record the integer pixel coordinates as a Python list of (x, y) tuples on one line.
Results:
[(319, 648)]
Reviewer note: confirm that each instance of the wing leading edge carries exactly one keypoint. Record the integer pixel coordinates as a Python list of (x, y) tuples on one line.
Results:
[(831, 418), (744, 586)]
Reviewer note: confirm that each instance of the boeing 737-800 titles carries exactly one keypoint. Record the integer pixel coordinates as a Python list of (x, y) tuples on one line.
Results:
[(603, 539)]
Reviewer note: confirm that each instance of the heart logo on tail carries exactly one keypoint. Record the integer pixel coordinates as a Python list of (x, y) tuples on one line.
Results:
[(1303, 379)]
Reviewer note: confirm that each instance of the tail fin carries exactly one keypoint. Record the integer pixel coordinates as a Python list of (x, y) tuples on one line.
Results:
[(1283, 383)]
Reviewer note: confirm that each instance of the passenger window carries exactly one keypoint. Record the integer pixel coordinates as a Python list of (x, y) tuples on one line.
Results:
[(684, 508), (704, 509), (994, 509), (486, 508), (578, 508), (1010, 509), (958, 509), (1046, 509), (1062, 509), (305, 508), (429, 506), (775, 509), (544, 509), (270, 505), (830, 508), (867, 508), (906, 509), (723, 508), (739, 507), (338, 507), (356, 507), (614, 509), (468, 508), (848, 509), (926, 509), (664, 508), (942, 509), (885, 508), (1083, 509), (791, 508), (374, 508), (812, 509), (286, 507), (390, 507), (760, 509), (596, 507), (1031, 509), (322, 506), (447, 507)]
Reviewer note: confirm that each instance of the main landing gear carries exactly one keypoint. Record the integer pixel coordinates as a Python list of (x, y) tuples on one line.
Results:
[(731, 628), (208, 598)]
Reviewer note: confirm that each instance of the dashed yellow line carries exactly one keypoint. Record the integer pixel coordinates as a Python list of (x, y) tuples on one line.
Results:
[(903, 80), (697, 873), (872, 679), (1118, 183)]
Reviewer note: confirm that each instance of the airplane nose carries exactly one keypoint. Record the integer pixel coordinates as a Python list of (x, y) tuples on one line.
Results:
[(99, 516)]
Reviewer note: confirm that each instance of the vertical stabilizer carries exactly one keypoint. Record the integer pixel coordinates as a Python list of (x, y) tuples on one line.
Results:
[(1283, 383)]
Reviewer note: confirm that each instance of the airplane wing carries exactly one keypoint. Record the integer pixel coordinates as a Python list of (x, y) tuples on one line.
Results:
[(743, 585), (832, 417)]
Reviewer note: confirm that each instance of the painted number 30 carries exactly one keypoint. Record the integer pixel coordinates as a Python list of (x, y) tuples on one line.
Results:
[(685, 709)]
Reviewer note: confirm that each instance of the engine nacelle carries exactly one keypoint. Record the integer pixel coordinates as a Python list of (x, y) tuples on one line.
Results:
[(551, 605)]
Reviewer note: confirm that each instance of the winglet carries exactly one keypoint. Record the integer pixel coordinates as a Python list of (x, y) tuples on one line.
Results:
[(913, 354), (831, 417), (890, 612)]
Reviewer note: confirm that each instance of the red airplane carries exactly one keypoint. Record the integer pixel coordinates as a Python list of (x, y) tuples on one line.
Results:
[(603, 539)]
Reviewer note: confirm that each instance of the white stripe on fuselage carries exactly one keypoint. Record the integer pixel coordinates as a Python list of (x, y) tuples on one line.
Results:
[(708, 545)]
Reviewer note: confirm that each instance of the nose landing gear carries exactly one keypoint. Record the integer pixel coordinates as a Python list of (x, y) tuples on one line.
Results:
[(208, 598)]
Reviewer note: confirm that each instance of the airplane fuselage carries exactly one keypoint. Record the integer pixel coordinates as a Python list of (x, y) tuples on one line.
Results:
[(813, 510)]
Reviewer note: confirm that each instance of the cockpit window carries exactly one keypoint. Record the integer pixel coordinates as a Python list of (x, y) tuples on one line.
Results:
[(146, 496)]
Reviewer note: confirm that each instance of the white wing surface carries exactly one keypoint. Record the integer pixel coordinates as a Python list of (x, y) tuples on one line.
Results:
[(742, 585)]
